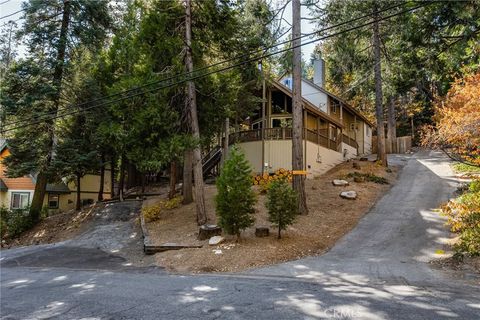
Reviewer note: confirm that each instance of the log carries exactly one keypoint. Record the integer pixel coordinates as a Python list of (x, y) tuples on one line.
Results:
[(262, 232), (207, 231)]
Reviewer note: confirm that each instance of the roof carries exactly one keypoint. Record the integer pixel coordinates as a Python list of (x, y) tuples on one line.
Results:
[(57, 188), (308, 105), (3, 144), (349, 107), (3, 186)]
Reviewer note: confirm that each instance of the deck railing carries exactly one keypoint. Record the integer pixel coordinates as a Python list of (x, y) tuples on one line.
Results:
[(350, 141), (319, 137)]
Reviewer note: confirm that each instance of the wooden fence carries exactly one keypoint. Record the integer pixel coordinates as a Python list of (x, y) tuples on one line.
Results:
[(400, 145)]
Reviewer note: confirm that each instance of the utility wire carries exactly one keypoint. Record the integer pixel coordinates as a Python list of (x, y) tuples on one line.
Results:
[(11, 14), (261, 50), (210, 72)]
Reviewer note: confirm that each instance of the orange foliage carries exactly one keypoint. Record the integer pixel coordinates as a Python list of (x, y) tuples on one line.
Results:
[(458, 120)]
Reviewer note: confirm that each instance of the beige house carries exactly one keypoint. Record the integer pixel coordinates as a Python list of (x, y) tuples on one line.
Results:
[(17, 193), (333, 130)]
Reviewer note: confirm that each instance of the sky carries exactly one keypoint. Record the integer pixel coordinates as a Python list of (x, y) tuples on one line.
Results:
[(9, 6)]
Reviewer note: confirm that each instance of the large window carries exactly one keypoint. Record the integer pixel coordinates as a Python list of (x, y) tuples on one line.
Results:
[(53, 201), (20, 200)]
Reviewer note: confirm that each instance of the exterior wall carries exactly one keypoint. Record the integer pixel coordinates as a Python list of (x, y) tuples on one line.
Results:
[(320, 159), (367, 143), (6, 197), (314, 96), (253, 153), (348, 152), (361, 137), (278, 154)]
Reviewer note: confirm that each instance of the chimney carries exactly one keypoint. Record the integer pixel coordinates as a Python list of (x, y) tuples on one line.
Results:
[(319, 72)]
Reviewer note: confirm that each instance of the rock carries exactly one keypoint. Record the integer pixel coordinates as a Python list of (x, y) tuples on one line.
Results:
[(341, 183), (262, 232), (389, 170), (208, 230), (352, 195), (216, 240), (314, 188), (356, 165), (363, 159), (217, 251)]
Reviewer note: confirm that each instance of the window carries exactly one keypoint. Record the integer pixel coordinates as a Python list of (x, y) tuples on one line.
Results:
[(276, 123), (20, 200), (53, 200)]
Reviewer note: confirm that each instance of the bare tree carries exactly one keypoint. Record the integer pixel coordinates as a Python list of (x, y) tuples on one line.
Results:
[(297, 121), (191, 105)]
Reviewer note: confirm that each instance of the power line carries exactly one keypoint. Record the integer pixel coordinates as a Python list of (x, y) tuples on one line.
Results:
[(245, 55), (11, 14), (208, 73), (6, 1)]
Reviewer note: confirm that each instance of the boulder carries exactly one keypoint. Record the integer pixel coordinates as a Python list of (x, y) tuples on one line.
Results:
[(351, 195), (262, 232), (340, 183), (213, 241), (208, 230)]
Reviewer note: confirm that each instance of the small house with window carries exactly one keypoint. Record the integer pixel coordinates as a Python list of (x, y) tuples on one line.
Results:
[(17, 193), (333, 131)]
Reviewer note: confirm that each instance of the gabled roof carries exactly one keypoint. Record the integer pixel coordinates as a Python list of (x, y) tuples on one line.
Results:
[(3, 144)]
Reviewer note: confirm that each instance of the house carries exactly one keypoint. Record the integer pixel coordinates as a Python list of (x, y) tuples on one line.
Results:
[(17, 193), (333, 130)]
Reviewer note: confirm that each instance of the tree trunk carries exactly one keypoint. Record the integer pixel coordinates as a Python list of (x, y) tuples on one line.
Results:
[(102, 178), (392, 130), (112, 177), (78, 204), (191, 102), (225, 142), (173, 179), (413, 128), (121, 183), (381, 155), (38, 197), (297, 121), (143, 182), (187, 177), (42, 178)]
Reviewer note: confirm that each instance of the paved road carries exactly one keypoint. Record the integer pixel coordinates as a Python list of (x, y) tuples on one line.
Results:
[(378, 271)]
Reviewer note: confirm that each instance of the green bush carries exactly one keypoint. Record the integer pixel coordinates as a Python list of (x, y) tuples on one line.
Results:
[(3, 228), (235, 199), (368, 177), (474, 186), (282, 204), (18, 222), (463, 214)]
